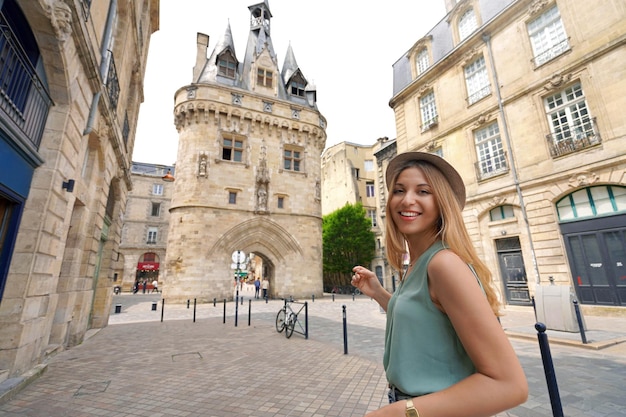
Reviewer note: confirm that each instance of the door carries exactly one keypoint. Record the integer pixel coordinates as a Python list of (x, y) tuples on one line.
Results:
[(513, 271)]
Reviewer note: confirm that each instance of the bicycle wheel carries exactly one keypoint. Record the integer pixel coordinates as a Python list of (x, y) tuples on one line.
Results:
[(280, 320), (289, 326)]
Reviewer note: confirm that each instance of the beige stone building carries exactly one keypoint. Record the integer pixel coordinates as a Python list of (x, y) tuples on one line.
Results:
[(525, 98), (71, 77), (247, 172), (349, 177), (146, 222)]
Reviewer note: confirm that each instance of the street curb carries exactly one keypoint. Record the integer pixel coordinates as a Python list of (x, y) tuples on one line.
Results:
[(10, 387), (574, 343)]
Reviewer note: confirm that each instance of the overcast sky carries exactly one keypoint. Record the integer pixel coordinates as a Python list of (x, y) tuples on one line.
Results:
[(345, 47)]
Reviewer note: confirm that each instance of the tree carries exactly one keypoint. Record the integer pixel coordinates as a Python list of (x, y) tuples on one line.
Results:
[(347, 241)]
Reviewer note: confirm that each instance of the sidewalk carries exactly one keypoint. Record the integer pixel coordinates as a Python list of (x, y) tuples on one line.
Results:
[(140, 366)]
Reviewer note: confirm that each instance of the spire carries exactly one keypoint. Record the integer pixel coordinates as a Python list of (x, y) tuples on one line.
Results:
[(224, 46), (290, 66)]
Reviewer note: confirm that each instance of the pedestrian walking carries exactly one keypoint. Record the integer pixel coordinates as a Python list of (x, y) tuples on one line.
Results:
[(265, 286), (257, 287), (445, 350), (155, 286)]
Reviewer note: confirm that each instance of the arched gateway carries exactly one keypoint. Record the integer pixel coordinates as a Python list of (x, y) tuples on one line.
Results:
[(248, 172)]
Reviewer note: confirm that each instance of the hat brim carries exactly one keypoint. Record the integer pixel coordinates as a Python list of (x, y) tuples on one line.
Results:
[(451, 174)]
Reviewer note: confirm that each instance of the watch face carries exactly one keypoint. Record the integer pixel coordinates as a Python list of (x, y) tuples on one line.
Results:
[(411, 412)]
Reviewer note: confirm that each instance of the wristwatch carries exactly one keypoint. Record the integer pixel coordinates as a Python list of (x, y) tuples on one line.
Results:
[(410, 409)]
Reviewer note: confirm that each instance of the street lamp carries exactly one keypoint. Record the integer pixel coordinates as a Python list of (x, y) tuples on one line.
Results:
[(168, 177)]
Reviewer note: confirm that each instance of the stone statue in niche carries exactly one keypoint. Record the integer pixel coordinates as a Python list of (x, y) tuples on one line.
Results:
[(202, 166), (262, 197)]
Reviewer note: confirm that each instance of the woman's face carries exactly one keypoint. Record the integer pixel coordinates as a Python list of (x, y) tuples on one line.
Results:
[(412, 204)]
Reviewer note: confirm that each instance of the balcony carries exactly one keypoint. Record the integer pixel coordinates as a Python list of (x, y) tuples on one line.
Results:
[(24, 101), (573, 139), (112, 84), (492, 166)]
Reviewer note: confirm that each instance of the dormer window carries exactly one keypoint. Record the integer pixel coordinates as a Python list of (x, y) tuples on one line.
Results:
[(297, 86), (264, 78), (226, 65), (422, 61), (467, 24)]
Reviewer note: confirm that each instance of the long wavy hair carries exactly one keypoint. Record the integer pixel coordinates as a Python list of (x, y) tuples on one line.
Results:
[(450, 229)]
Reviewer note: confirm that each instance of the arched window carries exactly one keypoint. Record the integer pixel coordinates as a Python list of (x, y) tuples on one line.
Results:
[(501, 212), (422, 61), (467, 24), (595, 201)]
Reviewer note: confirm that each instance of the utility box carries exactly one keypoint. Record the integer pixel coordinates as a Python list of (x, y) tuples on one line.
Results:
[(554, 305)]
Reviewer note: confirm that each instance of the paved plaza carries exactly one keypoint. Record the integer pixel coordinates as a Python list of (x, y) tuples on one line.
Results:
[(154, 360)]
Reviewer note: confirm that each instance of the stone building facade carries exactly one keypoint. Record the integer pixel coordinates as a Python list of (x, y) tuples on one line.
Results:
[(247, 172), (72, 83), (349, 177), (525, 98), (146, 222)]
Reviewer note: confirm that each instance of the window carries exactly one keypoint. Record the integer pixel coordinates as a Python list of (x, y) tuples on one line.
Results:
[(356, 173), (428, 110), (371, 213), (297, 86), (477, 80), (567, 113), (547, 36), (369, 188), (467, 24), (491, 156), (591, 202), (152, 236), (368, 165), (232, 197), (292, 159), (422, 61), (264, 78), (156, 209), (281, 202), (157, 189), (226, 65), (232, 149), (501, 212)]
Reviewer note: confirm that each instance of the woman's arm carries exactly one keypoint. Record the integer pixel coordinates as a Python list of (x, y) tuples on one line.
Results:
[(367, 282)]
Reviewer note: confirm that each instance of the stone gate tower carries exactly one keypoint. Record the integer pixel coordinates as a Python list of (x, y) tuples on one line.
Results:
[(247, 171)]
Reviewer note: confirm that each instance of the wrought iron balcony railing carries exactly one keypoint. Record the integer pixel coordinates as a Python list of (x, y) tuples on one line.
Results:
[(571, 139), (490, 167), (24, 100), (113, 84)]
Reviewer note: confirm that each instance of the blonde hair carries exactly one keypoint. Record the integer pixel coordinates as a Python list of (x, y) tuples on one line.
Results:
[(451, 228)]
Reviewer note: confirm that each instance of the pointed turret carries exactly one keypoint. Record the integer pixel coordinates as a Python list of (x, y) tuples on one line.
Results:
[(223, 61)]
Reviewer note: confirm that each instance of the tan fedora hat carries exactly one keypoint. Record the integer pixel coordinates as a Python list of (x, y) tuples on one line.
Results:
[(451, 174)]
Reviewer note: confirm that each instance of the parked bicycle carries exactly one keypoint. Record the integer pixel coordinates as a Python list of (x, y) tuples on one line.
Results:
[(287, 318)]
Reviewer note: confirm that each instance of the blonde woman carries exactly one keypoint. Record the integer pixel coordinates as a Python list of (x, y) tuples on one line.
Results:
[(446, 354)]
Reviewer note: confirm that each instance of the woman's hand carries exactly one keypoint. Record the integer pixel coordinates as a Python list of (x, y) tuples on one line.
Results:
[(367, 282)]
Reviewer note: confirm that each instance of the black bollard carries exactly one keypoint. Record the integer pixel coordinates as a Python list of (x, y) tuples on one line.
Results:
[(224, 311), (313, 298), (333, 297), (187, 302), (237, 308), (581, 326), (306, 320), (345, 331), (242, 300), (214, 301), (548, 368), (194, 310), (352, 296), (162, 308), (249, 311), (267, 298)]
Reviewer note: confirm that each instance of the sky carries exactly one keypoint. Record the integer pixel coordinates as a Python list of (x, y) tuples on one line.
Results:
[(346, 48)]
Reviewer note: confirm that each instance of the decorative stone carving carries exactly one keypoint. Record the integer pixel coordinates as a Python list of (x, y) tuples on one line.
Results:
[(237, 99), (469, 56), (202, 164), (557, 81), (60, 16), (482, 119), (536, 6), (423, 89), (262, 181), (497, 201), (583, 178)]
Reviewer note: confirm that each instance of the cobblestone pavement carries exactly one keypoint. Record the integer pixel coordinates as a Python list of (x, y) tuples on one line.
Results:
[(163, 363)]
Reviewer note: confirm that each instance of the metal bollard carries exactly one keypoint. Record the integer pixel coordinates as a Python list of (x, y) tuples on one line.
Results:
[(548, 368), (345, 331), (162, 308), (249, 311), (187, 302), (224, 311), (313, 298), (333, 297), (214, 301), (194, 310), (242, 300), (581, 326), (237, 308), (306, 320)]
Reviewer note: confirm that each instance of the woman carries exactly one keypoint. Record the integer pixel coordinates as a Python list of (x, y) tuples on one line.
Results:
[(446, 354)]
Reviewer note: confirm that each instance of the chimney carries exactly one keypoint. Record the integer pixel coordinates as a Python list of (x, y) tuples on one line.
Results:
[(201, 55)]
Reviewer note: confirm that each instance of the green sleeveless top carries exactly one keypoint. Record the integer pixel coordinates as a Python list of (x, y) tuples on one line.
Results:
[(423, 353)]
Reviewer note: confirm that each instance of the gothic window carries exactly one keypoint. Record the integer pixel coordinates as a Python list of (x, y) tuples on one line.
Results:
[(547, 36), (422, 61), (467, 24), (490, 151), (232, 149), (292, 159), (227, 65), (477, 80), (264, 77), (428, 110)]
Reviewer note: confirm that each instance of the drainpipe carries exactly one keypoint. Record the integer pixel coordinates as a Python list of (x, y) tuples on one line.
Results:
[(487, 39), (104, 63)]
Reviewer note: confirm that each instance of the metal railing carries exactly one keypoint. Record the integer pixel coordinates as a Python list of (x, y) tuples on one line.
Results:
[(23, 98), (492, 166), (572, 139)]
